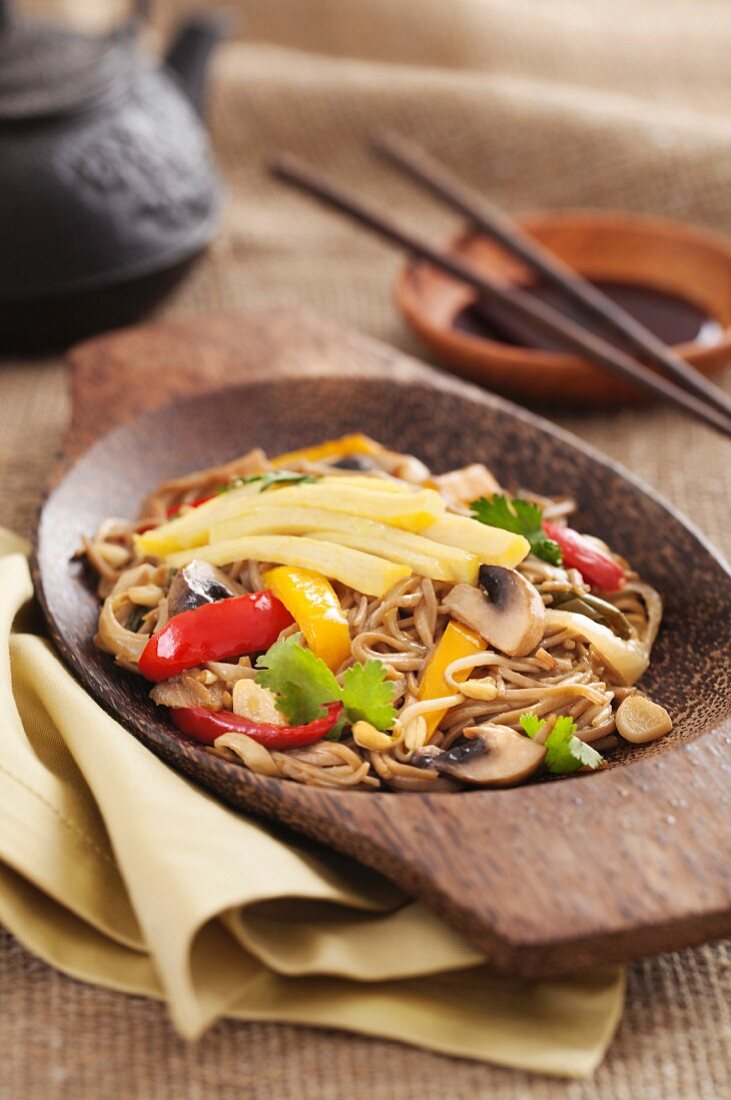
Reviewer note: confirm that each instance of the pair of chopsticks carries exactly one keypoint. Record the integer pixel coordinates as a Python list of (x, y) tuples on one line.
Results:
[(679, 382)]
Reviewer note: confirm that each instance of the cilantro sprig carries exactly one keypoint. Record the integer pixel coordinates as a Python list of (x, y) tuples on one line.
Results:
[(522, 517), (531, 723), (303, 685), (270, 478), (367, 695), (565, 752)]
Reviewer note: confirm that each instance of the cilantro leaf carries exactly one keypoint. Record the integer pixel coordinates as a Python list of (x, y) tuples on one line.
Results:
[(272, 477), (566, 753), (284, 477), (368, 696), (588, 756), (303, 684), (496, 512), (531, 723), (522, 517), (301, 681)]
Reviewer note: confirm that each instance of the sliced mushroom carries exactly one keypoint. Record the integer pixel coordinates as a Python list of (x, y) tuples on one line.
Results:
[(424, 758), (506, 609), (197, 583), (495, 756), (362, 463), (639, 720)]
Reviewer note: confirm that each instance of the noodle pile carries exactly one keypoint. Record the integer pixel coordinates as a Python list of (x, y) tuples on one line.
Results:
[(562, 676)]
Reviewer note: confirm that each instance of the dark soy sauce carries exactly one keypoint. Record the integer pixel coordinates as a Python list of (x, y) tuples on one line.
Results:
[(673, 319)]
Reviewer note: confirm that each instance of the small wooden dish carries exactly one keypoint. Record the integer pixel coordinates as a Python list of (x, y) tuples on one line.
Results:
[(544, 879), (662, 255)]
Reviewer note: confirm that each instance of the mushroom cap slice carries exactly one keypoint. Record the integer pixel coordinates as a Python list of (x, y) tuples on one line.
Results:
[(495, 756), (197, 583), (506, 609)]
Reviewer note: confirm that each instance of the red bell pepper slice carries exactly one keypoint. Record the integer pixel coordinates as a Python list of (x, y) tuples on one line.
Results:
[(597, 568), (206, 725), (175, 508), (214, 632)]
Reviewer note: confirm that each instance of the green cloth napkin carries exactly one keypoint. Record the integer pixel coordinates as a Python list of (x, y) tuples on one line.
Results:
[(119, 872)]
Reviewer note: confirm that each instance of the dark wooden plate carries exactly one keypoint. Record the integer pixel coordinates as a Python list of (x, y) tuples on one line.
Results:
[(545, 879)]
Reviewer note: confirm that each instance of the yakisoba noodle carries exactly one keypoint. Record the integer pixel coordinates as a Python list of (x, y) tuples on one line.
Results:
[(461, 654)]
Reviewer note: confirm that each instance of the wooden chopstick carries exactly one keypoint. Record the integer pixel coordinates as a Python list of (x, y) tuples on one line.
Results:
[(416, 163), (296, 172)]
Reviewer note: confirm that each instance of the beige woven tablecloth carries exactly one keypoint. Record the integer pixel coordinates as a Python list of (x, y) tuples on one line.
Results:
[(613, 103)]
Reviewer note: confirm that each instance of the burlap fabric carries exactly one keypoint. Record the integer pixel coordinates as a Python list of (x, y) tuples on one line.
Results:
[(620, 103)]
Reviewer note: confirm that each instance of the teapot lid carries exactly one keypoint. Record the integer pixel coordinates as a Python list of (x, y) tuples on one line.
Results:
[(49, 69)]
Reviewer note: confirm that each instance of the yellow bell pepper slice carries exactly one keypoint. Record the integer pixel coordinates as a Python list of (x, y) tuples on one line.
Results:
[(457, 641), (355, 444), (313, 604)]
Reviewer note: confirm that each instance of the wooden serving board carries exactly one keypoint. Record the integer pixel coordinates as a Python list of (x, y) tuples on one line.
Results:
[(546, 879), (117, 376)]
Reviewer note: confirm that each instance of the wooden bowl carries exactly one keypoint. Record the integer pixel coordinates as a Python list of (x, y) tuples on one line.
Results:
[(544, 879), (663, 255)]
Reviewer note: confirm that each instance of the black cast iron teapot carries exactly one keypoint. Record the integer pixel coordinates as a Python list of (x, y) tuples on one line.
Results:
[(107, 188)]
